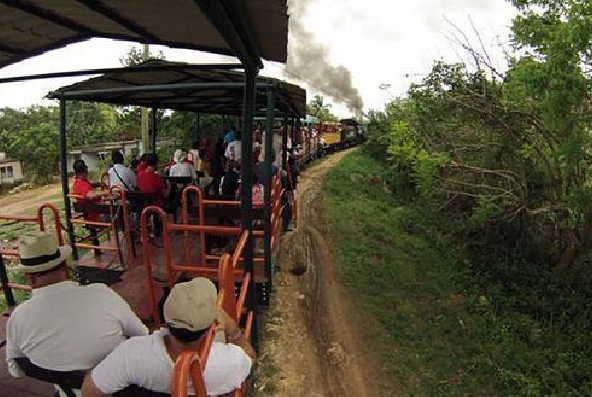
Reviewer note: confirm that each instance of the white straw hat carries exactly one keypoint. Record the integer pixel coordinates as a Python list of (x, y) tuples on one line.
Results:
[(39, 252), (191, 305)]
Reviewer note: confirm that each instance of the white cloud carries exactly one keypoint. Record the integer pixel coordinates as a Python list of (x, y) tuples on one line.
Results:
[(380, 41)]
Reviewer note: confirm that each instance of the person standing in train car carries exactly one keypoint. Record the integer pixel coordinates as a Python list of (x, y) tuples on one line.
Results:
[(229, 136), (64, 326), (182, 168), (233, 150), (149, 361)]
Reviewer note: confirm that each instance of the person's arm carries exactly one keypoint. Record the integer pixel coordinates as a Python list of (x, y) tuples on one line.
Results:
[(234, 334), (89, 389), (13, 351), (130, 323)]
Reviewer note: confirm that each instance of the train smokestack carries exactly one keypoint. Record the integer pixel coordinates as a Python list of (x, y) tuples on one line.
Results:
[(308, 61)]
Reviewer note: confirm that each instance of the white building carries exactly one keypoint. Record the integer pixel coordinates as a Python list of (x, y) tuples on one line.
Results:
[(11, 171), (94, 155)]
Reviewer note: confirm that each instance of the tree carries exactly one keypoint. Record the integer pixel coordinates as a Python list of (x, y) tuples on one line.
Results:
[(135, 56), (322, 111)]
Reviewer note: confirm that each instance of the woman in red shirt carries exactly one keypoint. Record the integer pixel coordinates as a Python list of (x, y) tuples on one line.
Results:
[(89, 197), (149, 181)]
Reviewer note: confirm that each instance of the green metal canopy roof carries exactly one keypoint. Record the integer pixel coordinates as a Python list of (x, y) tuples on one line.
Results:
[(183, 86), (248, 29)]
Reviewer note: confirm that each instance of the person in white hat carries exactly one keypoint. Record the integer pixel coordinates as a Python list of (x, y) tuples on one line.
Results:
[(148, 361), (64, 326)]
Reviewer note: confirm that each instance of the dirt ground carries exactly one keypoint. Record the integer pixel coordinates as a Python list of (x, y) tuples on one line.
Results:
[(24, 201), (312, 340)]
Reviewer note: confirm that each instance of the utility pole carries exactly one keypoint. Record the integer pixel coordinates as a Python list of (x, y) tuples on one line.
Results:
[(145, 141)]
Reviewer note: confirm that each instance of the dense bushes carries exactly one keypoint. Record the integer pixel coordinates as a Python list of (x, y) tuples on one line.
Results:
[(505, 161)]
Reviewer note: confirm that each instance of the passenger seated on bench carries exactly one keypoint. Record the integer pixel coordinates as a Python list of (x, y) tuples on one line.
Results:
[(149, 181), (230, 181), (64, 326), (182, 168), (90, 204), (119, 174), (149, 361)]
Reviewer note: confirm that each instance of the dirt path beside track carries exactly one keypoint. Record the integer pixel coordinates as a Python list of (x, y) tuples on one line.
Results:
[(312, 340), (21, 202)]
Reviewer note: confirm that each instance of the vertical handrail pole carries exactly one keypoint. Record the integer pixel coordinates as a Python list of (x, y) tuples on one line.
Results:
[(267, 193), (285, 143), (247, 174), (64, 172), (154, 129)]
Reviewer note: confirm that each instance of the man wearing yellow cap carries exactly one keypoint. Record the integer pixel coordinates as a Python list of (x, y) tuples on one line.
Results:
[(148, 361)]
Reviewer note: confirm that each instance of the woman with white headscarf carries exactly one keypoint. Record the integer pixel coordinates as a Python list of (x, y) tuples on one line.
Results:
[(182, 168)]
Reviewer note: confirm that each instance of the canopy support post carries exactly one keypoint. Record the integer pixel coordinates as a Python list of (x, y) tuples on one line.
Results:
[(198, 126), (64, 172), (285, 144), (154, 129), (267, 227), (247, 177)]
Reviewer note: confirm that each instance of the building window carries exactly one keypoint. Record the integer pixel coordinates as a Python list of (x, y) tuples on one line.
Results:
[(3, 172), (9, 172), (102, 156)]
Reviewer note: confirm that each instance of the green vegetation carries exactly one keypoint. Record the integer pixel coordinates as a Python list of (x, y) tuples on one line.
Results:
[(451, 322), (319, 109), (477, 265)]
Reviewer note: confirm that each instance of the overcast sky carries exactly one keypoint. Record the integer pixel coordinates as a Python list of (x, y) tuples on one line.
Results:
[(380, 41)]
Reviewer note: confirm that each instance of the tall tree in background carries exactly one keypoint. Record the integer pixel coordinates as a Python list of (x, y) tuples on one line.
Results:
[(319, 109)]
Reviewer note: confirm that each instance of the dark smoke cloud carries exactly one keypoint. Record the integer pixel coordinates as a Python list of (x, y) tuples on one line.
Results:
[(308, 61)]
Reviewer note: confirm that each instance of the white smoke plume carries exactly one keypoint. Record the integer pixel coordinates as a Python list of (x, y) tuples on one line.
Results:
[(308, 61)]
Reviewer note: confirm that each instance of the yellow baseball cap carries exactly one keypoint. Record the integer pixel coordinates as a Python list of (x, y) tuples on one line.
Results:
[(191, 305)]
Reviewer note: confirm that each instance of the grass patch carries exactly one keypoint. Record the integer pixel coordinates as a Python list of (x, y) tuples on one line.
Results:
[(442, 331)]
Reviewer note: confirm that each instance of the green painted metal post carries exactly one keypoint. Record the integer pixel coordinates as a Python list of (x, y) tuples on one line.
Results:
[(247, 176), (64, 172), (267, 195), (285, 144), (154, 129)]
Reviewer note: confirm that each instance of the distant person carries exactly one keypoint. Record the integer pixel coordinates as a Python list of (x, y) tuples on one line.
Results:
[(134, 166), (89, 198), (148, 361), (193, 154), (260, 168), (64, 326), (230, 181), (216, 167), (142, 166), (119, 174), (233, 150), (229, 136), (181, 168), (149, 181)]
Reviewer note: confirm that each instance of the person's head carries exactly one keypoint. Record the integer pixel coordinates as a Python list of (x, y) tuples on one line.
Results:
[(134, 164), (151, 160), (41, 259), (179, 155), (80, 168), (143, 158), (116, 157), (190, 309)]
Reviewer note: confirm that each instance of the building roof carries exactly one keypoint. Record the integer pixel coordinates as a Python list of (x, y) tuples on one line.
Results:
[(250, 30), (221, 91)]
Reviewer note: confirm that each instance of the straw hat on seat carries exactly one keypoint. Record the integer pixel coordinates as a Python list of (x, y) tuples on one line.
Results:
[(39, 252)]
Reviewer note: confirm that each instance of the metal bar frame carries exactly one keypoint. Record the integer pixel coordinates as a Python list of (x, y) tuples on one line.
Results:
[(154, 129), (127, 69), (268, 144), (64, 172), (250, 90), (149, 88)]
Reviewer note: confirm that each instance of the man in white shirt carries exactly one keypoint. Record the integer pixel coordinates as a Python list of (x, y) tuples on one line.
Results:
[(233, 150), (149, 361), (182, 168), (64, 326), (121, 175)]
